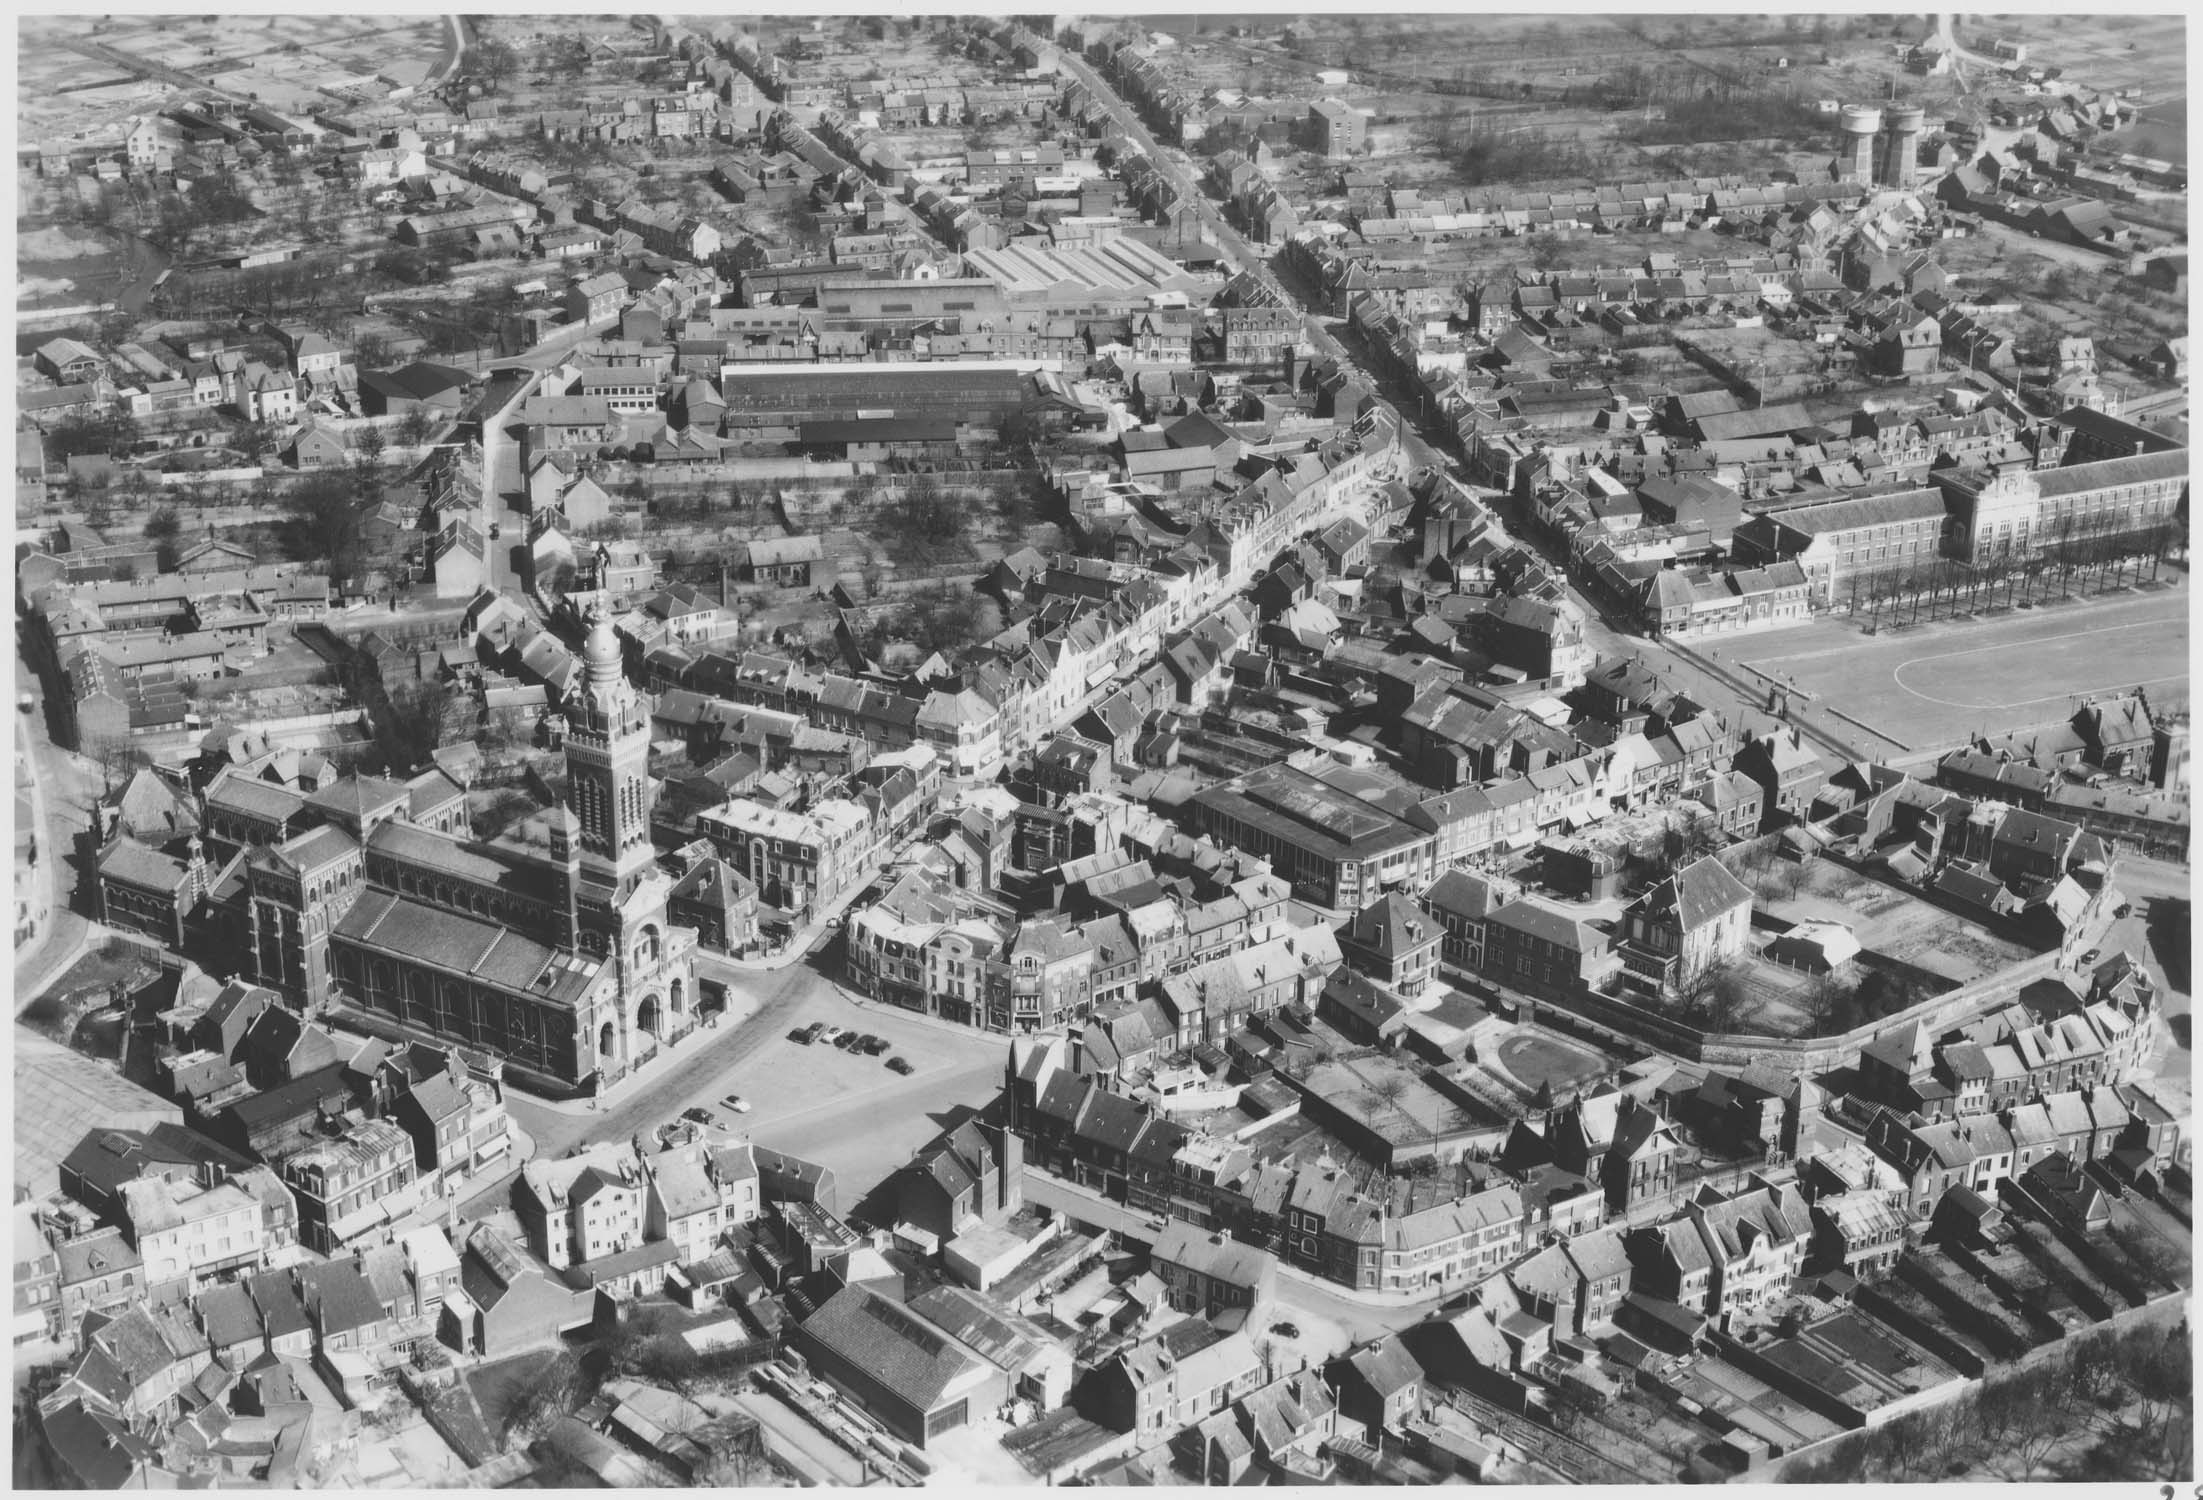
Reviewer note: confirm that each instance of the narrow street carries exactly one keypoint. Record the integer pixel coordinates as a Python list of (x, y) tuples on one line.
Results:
[(504, 489)]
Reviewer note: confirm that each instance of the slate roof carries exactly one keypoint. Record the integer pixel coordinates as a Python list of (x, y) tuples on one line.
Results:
[(1215, 1256), (1696, 895), (1386, 1368), (484, 950), (906, 1355), (132, 863), (1393, 926)]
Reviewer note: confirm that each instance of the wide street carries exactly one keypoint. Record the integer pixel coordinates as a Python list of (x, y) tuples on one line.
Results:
[(62, 787)]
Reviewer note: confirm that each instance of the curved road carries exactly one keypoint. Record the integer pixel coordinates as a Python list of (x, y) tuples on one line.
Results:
[(450, 69)]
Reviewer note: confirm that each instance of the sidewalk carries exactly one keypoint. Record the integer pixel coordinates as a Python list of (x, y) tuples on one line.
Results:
[(804, 938), (740, 1008), (863, 1001), (1422, 1297), (436, 1213)]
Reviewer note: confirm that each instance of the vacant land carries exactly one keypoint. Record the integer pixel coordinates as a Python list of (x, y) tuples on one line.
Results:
[(1941, 684), (76, 81), (2129, 54), (1893, 923), (2160, 132)]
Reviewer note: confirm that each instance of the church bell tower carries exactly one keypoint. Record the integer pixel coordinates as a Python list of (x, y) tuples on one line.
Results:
[(608, 759)]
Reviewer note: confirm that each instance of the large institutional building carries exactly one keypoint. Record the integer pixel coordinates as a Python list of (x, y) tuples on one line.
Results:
[(550, 946), (1970, 516)]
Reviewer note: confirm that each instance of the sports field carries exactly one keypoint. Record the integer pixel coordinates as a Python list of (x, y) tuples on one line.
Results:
[(1938, 685)]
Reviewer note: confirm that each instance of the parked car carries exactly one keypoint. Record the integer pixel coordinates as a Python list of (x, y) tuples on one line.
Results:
[(804, 1034), (898, 1065), (848, 1041), (2126, 909), (875, 1045), (830, 1035), (737, 1103), (2091, 955), (700, 1115)]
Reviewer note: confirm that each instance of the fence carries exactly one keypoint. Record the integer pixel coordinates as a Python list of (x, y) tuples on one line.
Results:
[(313, 674), (291, 723), (1787, 1381), (1798, 721), (1929, 1337), (210, 476)]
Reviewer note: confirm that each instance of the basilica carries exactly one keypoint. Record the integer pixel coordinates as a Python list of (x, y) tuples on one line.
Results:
[(549, 945)]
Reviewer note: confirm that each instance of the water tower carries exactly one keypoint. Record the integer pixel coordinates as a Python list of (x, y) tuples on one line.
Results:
[(1860, 123), (1901, 146)]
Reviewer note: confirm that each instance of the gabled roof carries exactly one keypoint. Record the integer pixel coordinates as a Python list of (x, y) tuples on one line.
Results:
[(1386, 1368), (1699, 894), (901, 1351)]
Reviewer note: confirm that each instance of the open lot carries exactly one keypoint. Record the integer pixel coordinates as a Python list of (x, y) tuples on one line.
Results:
[(1941, 684), (2161, 131), (1895, 924), (1357, 1087), (1778, 1003), (289, 62), (2132, 54)]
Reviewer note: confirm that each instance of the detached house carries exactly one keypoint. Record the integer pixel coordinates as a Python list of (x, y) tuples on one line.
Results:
[(1695, 920), (313, 357)]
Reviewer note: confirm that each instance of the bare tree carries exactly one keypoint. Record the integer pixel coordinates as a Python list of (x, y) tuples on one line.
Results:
[(1908, 1441), (554, 1392), (1388, 1091)]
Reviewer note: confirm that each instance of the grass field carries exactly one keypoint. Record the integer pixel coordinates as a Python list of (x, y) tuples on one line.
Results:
[(1533, 1058), (1939, 684)]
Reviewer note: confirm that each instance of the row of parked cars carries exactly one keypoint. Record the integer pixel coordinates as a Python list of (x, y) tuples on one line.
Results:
[(818, 1032)]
